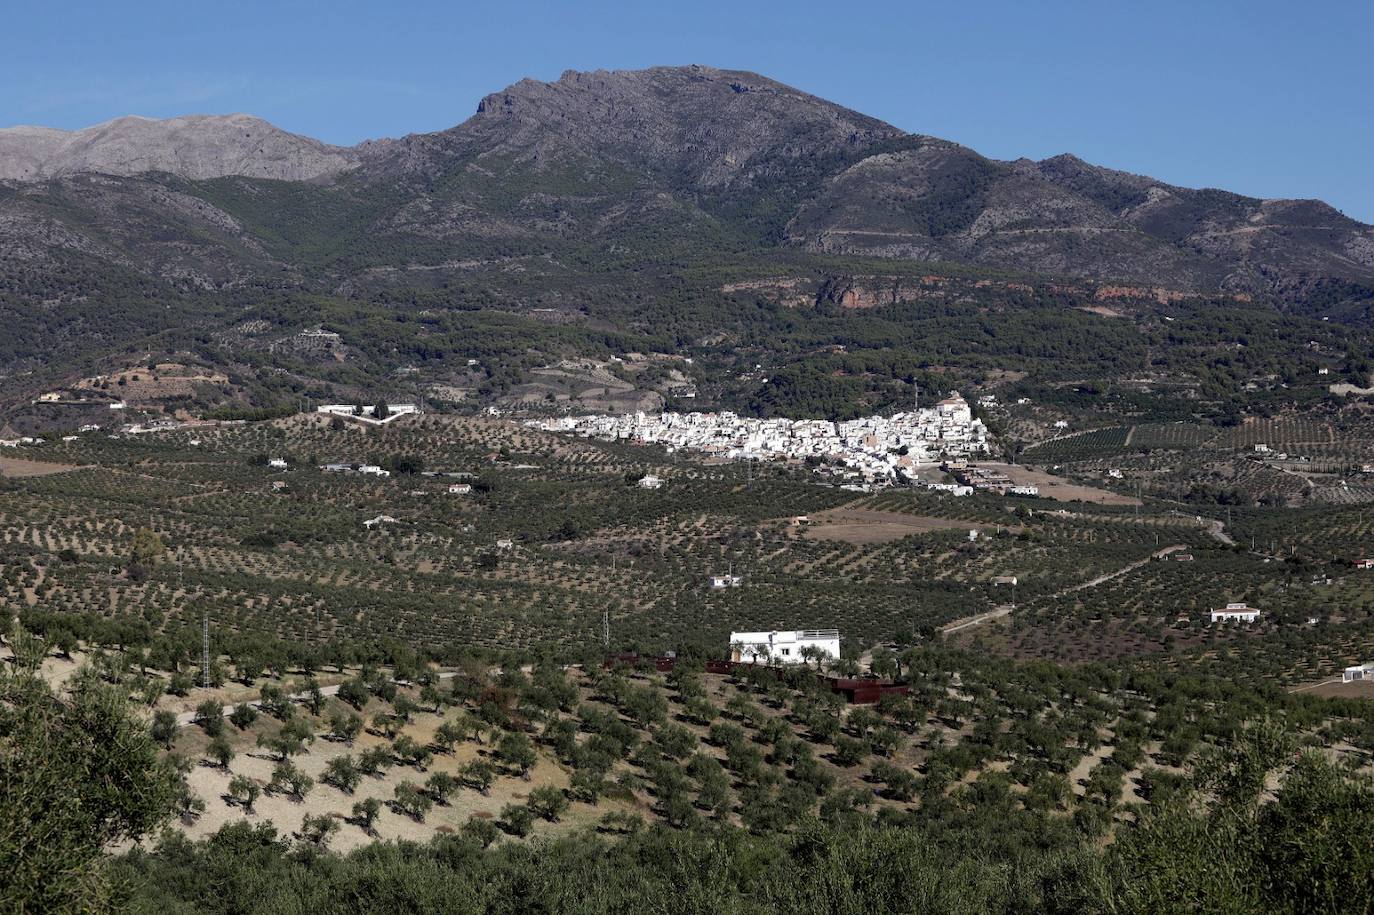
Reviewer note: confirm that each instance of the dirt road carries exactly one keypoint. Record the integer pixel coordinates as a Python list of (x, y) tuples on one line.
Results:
[(1006, 609)]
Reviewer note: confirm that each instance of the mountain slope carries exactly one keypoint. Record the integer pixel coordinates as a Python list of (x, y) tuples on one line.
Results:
[(940, 201), (607, 198), (679, 160)]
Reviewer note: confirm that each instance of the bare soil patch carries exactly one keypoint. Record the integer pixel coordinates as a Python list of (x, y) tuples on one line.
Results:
[(1058, 488), (1103, 310), (18, 467), (1335, 689), (862, 527)]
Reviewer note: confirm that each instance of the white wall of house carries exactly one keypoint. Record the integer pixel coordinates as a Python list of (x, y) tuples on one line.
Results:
[(1238, 612), (782, 646)]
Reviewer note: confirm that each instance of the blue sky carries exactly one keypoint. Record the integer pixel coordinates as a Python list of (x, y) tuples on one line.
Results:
[(1266, 98)]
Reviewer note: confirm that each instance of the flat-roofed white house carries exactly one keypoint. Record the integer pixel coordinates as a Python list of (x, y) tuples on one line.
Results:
[(783, 646), (1359, 672), (726, 581), (1235, 613)]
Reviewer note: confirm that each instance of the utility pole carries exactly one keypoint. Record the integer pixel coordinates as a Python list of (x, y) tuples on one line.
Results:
[(205, 648), (606, 616)]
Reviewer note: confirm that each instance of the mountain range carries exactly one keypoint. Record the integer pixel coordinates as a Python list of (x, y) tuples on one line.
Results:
[(595, 188)]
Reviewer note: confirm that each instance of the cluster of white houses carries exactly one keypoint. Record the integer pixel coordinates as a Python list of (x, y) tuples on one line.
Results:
[(877, 448)]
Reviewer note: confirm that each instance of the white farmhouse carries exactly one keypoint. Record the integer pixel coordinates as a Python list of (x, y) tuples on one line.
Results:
[(1235, 613), (783, 646), (1360, 672), (277, 463), (726, 581), (649, 481)]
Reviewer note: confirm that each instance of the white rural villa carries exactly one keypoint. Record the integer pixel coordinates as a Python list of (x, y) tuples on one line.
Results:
[(1235, 612), (783, 647)]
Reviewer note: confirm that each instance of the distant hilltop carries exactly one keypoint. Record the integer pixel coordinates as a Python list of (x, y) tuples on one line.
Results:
[(196, 147)]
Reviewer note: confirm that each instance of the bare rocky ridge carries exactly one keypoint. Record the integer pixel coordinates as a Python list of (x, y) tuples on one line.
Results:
[(197, 147), (699, 125)]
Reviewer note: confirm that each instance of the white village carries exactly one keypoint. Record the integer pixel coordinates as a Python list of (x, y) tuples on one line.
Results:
[(878, 449)]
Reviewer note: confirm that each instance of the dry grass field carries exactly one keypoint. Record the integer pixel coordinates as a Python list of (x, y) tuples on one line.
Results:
[(19, 468), (865, 527)]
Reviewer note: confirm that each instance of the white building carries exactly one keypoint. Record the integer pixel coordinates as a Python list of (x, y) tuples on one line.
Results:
[(366, 413), (649, 481), (277, 463), (1360, 672), (726, 581), (459, 489), (783, 647), (1235, 612)]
